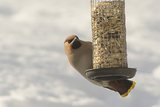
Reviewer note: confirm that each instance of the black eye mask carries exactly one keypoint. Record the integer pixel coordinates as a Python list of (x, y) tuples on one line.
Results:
[(76, 44), (69, 41)]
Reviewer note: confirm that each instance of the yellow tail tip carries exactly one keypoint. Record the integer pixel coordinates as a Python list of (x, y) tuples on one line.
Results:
[(132, 87)]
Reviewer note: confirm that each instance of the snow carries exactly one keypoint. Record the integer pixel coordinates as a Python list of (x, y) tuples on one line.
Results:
[(35, 72), (156, 72)]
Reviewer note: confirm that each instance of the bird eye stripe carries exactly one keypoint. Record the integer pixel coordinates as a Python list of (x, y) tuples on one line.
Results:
[(69, 41)]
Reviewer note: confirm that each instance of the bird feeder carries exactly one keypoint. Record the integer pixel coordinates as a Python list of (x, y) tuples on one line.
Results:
[(109, 41)]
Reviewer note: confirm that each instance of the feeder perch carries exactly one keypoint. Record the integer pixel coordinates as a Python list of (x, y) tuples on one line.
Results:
[(109, 41)]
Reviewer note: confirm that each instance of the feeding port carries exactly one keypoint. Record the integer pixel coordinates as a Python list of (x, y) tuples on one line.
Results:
[(109, 41)]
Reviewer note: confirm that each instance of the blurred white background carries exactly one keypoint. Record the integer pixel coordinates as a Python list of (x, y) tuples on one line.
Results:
[(34, 70)]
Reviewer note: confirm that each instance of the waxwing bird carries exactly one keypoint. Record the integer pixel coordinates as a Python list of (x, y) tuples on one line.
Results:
[(79, 54)]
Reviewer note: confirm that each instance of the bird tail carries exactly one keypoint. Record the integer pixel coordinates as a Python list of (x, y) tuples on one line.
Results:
[(123, 87)]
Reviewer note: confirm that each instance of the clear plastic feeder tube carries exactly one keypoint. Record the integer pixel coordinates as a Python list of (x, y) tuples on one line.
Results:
[(108, 34)]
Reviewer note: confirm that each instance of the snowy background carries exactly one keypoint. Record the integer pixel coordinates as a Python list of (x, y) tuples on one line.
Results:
[(34, 70)]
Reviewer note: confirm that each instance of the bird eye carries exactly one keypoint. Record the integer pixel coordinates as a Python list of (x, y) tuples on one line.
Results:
[(77, 37), (69, 41)]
